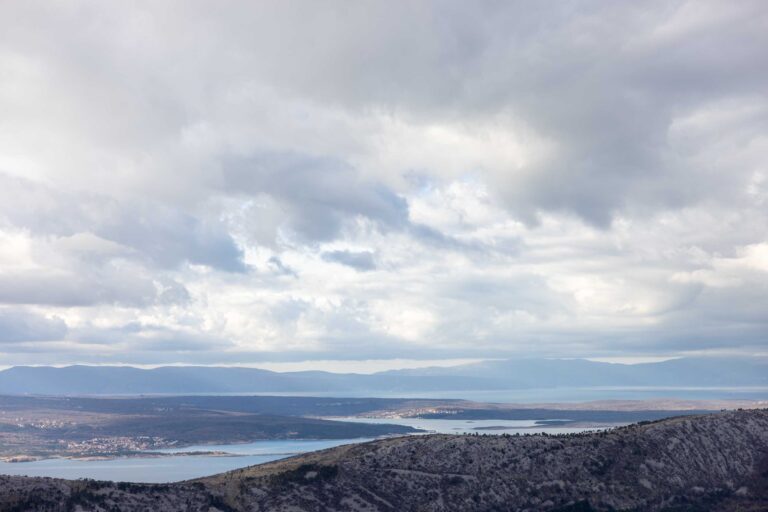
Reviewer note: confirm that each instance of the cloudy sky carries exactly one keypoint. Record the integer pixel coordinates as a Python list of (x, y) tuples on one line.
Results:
[(266, 182)]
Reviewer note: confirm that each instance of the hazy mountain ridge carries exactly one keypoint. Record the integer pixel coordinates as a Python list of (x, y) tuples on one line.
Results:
[(203, 379), (523, 373), (712, 462), (488, 375)]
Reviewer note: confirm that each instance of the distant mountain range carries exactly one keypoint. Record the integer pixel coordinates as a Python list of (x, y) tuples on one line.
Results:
[(488, 375)]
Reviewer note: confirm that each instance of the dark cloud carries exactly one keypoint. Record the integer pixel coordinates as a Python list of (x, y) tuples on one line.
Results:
[(160, 234), (604, 83), (69, 289), (318, 195), (20, 326), (359, 260), (168, 237), (144, 338), (279, 267), (43, 209)]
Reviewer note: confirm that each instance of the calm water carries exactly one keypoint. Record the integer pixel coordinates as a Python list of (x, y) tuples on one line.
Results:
[(175, 468), (548, 395), (472, 426), (171, 469)]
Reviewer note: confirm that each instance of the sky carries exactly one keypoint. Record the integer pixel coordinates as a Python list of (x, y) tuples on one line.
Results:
[(282, 183)]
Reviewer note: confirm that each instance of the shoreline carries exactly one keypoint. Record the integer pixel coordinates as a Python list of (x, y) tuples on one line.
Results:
[(21, 459)]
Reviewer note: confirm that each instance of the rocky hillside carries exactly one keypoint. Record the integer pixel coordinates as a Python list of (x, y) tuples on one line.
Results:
[(713, 462)]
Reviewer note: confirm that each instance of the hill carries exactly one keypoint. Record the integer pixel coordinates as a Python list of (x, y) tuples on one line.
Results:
[(50, 427), (710, 462), (487, 375)]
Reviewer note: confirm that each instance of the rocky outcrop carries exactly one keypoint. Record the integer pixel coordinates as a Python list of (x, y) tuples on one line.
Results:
[(712, 462)]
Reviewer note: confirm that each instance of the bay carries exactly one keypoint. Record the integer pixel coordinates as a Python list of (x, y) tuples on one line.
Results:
[(174, 468)]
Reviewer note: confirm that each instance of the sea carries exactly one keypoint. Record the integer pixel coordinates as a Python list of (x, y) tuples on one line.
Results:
[(175, 466)]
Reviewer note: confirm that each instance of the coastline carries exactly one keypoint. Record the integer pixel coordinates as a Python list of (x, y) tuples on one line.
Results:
[(21, 459)]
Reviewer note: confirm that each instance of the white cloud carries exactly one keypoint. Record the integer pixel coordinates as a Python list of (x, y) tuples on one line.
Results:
[(191, 182)]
